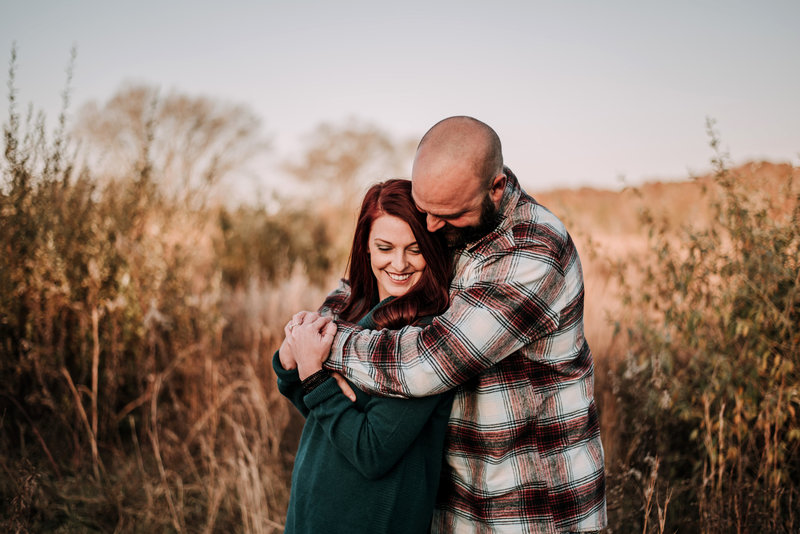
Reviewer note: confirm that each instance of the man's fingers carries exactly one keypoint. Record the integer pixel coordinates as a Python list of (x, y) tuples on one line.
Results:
[(304, 316), (330, 330), (320, 323), (344, 386)]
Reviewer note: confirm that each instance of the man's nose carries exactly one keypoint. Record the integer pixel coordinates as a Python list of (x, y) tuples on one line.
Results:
[(434, 223)]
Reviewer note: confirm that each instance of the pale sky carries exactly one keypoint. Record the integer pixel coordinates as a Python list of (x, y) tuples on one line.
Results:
[(580, 93)]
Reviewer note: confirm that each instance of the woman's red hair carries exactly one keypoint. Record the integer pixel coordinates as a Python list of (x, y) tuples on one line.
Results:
[(430, 295)]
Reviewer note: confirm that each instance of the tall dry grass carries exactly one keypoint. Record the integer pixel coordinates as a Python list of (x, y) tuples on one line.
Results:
[(136, 333), (136, 391), (701, 384)]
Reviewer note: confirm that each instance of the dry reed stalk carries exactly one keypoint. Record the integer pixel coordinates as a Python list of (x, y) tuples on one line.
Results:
[(721, 452), (249, 486), (140, 463), (97, 464), (264, 408), (651, 496), (776, 473), (649, 491), (708, 466), (218, 486), (215, 499), (738, 422), (153, 433), (132, 405), (213, 411), (95, 364), (662, 514)]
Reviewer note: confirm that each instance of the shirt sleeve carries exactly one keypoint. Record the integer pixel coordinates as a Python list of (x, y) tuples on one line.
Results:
[(289, 384), (372, 440), (510, 300), (335, 301)]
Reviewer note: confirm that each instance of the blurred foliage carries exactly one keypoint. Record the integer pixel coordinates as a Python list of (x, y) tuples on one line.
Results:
[(128, 400), (250, 237), (341, 160), (138, 320), (194, 143), (709, 383)]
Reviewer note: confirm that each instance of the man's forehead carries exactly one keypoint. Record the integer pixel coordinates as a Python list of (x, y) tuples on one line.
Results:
[(443, 199)]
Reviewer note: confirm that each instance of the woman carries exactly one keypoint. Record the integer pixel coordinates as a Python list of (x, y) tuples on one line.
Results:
[(371, 465)]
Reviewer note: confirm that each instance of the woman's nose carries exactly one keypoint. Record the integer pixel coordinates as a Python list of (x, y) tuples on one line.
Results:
[(399, 261)]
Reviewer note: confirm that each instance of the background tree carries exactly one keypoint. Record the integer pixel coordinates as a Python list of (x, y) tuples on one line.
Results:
[(343, 159), (191, 143)]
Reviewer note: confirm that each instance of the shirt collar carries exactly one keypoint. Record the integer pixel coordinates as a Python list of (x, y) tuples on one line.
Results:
[(508, 203)]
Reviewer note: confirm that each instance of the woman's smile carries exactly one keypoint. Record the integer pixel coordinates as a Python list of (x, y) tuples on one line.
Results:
[(396, 260)]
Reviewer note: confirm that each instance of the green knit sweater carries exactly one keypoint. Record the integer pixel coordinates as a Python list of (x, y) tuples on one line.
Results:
[(368, 466)]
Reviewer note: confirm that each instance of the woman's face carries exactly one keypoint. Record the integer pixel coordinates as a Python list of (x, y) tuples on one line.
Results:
[(396, 260)]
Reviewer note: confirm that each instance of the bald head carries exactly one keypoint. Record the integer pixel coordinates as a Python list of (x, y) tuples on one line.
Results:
[(457, 178), (466, 143)]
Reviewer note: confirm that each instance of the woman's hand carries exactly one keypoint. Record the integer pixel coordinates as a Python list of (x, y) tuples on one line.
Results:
[(310, 344), (289, 343), (285, 353)]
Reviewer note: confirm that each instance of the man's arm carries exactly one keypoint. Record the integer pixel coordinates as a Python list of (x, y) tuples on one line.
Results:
[(335, 301), (512, 300)]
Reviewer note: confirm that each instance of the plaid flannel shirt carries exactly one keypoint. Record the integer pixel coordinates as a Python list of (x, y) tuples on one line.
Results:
[(523, 451)]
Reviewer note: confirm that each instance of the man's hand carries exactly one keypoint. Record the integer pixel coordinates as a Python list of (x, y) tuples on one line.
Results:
[(310, 344), (287, 350), (303, 317), (286, 353)]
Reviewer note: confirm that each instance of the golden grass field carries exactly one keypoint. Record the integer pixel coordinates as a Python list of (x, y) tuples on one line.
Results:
[(137, 336)]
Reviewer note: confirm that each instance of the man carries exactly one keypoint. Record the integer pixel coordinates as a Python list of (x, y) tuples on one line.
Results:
[(523, 449)]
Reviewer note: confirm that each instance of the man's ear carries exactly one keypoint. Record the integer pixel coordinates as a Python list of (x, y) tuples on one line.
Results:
[(497, 187)]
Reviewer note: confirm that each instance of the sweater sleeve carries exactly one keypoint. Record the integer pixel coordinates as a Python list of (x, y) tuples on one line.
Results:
[(289, 384), (372, 440)]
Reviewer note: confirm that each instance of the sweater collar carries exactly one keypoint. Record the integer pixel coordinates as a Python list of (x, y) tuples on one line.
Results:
[(368, 322)]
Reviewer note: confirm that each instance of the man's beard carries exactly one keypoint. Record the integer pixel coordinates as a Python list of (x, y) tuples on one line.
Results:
[(460, 237)]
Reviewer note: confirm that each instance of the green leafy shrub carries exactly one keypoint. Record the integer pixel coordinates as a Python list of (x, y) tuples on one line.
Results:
[(709, 383)]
